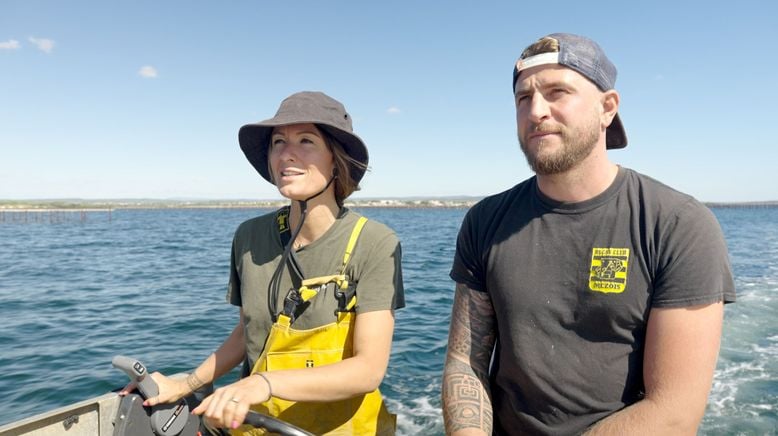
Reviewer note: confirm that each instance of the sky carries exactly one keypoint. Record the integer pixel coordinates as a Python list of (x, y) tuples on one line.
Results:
[(144, 99)]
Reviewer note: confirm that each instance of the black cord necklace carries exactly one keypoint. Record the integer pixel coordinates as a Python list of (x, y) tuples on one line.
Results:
[(288, 257)]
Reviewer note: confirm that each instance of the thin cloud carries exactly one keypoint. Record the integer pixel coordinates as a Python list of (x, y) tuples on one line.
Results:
[(393, 110), (148, 72), (11, 44), (45, 45), (659, 77)]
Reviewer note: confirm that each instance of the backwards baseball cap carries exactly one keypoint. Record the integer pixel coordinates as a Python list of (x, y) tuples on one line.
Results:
[(586, 57), (301, 108)]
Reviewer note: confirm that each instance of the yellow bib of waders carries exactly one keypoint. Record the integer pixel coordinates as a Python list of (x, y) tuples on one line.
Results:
[(288, 348)]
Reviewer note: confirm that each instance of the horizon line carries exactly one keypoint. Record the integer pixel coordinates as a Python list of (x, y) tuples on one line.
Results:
[(191, 200)]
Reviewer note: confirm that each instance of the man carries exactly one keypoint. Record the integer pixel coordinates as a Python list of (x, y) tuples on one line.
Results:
[(589, 298)]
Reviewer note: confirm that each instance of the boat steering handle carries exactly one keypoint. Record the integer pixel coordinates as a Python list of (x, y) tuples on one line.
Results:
[(170, 419), (166, 419), (137, 373)]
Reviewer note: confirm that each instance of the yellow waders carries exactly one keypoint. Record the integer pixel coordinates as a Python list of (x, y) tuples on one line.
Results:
[(288, 348)]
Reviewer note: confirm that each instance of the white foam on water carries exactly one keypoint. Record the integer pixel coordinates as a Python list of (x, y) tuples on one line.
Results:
[(727, 382), (419, 417), (767, 350), (743, 398)]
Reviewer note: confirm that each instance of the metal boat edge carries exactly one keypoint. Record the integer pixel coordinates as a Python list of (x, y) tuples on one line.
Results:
[(92, 417)]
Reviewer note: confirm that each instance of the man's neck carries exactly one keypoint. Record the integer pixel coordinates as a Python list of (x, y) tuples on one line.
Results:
[(590, 178)]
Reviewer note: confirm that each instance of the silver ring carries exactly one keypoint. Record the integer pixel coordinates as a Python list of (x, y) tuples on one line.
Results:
[(235, 400)]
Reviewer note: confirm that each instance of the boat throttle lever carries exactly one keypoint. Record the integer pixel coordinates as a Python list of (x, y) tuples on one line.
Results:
[(166, 419)]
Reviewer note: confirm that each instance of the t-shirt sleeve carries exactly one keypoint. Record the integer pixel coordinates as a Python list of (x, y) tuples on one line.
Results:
[(233, 286), (380, 285), (693, 264), (468, 268)]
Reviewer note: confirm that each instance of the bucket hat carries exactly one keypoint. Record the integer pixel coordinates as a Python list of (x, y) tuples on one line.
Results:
[(304, 107), (588, 58)]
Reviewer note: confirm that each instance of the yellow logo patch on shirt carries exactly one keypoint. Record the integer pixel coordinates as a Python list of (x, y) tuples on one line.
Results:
[(608, 271), (282, 218)]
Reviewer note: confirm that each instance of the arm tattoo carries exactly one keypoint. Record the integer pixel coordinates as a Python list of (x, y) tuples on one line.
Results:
[(466, 401), (194, 382), (466, 394)]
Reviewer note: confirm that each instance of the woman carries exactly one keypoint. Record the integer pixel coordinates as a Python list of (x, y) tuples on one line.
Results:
[(316, 285)]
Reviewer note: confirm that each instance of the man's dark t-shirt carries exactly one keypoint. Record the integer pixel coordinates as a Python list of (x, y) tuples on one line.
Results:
[(572, 286)]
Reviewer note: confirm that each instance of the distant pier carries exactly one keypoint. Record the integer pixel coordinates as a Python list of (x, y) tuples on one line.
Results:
[(52, 216), (744, 205)]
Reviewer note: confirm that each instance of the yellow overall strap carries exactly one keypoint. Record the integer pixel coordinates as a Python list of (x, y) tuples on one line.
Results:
[(347, 256), (352, 242)]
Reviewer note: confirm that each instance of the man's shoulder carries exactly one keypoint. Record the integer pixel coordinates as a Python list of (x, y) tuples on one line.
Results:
[(663, 199), (655, 189)]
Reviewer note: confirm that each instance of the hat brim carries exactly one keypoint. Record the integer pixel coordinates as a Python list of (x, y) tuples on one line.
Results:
[(615, 135), (254, 140)]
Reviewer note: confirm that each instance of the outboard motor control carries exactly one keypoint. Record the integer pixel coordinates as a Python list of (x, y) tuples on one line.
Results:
[(133, 419)]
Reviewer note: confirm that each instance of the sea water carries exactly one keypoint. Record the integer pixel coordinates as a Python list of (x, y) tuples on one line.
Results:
[(78, 288)]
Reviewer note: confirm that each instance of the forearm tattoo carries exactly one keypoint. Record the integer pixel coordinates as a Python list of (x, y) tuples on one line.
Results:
[(466, 402), (194, 382)]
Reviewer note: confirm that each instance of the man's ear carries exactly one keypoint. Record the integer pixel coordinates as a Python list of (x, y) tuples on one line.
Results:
[(610, 106)]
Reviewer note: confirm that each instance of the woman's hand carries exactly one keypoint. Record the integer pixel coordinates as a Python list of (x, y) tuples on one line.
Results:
[(228, 405), (170, 390)]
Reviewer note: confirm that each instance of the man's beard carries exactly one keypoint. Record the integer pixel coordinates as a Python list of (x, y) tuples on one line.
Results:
[(577, 144)]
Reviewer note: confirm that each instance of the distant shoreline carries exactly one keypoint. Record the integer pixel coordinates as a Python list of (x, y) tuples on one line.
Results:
[(104, 205), (79, 205)]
